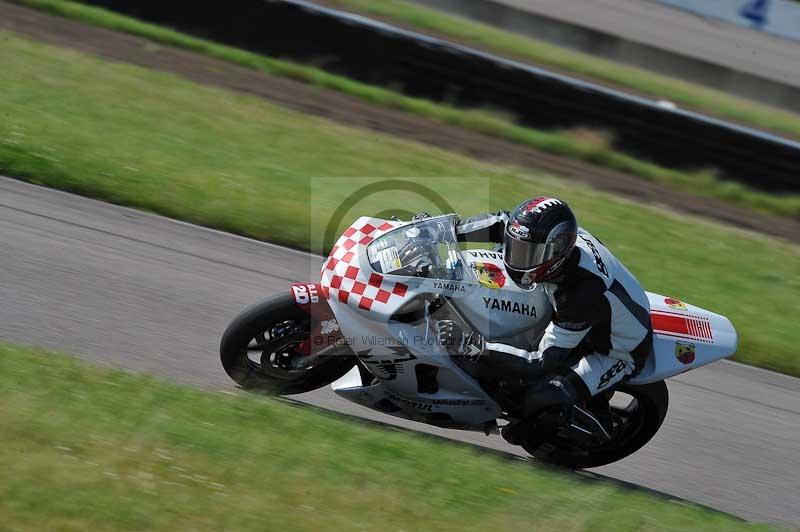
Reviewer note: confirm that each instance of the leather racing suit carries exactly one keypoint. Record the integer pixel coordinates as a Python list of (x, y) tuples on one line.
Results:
[(600, 332)]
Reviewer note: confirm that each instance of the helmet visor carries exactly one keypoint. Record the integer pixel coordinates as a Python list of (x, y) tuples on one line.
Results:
[(522, 255), (525, 255)]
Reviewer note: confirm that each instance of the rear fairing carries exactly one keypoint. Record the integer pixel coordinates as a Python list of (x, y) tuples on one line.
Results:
[(685, 337)]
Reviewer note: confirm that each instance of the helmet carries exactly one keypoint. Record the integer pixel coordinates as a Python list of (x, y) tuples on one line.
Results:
[(539, 236)]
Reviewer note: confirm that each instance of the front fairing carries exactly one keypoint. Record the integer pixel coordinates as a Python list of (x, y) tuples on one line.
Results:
[(381, 268)]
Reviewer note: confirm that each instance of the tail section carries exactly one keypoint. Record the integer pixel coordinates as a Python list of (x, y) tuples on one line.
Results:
[(684, 337)]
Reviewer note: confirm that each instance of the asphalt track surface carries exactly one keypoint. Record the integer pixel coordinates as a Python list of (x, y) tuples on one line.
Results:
[(134, 290), (679, 31)]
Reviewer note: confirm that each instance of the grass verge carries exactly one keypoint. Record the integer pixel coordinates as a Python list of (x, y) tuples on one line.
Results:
[(565, 144), (528, 49), (153, 141), (94, 449)]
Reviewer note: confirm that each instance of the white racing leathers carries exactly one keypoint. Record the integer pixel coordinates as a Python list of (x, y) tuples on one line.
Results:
[(601, 325)]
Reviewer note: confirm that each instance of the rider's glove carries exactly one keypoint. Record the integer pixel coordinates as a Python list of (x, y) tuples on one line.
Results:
[(457, 342)]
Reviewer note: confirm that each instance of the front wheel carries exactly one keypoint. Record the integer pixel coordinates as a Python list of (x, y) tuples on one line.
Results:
[(258, 350), (639, 412)]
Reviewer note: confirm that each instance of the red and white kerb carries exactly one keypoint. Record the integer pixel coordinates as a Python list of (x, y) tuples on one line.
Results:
[(344, 280), (682, 326)]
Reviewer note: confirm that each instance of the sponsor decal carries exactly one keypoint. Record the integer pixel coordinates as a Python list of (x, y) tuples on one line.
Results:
[(417, 405), (428, 404), (675, 304), (598, 260), (452, 287), (489, 275), (388, 368), (305, 294), (328, 326), (517, 230), (513, 307), (606, 377), (385, 260), (685, 352)]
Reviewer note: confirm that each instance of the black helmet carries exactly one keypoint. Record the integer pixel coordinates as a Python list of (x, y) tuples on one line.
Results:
[(539, 236)]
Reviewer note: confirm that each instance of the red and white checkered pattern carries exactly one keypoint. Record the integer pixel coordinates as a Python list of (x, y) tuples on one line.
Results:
[(344, 280)]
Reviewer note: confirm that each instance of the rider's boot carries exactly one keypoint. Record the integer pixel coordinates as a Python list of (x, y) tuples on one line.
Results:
[(560, 403), (545, 409)]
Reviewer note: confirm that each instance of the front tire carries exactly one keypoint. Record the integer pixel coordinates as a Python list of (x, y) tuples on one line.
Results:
[(269, 331), (644, 415)]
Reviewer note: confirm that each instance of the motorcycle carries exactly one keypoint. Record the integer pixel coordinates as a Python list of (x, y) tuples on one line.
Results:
[(367, 328)]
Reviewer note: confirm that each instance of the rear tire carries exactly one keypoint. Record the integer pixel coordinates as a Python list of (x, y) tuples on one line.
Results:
[(651, 404), (257, 324)]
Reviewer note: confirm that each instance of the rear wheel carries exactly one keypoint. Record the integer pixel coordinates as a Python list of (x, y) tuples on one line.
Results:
[(638, 412), (258, 350)]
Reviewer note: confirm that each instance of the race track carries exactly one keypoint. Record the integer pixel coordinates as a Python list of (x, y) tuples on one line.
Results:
[(138, 291)]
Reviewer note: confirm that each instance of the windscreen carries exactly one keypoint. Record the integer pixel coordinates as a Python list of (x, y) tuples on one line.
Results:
[(427, 248)]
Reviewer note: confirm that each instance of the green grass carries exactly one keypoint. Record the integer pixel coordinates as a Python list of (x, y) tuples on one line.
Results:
[(94, 449), (531, 50), (568, 144), (154, 141)]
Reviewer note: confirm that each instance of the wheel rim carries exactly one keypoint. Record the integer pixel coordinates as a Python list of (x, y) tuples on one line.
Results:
[(272, 351)]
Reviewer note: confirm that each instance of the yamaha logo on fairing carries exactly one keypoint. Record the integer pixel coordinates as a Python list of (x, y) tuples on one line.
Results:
[(491, 255), (452, 287), (509, 306)]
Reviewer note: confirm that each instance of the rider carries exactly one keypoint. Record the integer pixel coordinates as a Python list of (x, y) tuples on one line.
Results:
[(600, 333)]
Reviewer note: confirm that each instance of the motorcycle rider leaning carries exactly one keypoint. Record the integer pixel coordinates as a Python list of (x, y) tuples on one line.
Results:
[(600, 333)]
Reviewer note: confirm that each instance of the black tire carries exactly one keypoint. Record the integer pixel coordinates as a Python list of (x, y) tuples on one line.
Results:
[(651, 403), (260, 320)]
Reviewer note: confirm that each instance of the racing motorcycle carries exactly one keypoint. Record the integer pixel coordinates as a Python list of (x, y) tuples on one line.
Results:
[(367, 328)]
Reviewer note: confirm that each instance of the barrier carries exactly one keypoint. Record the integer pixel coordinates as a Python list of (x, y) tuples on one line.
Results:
[(420, 65)]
